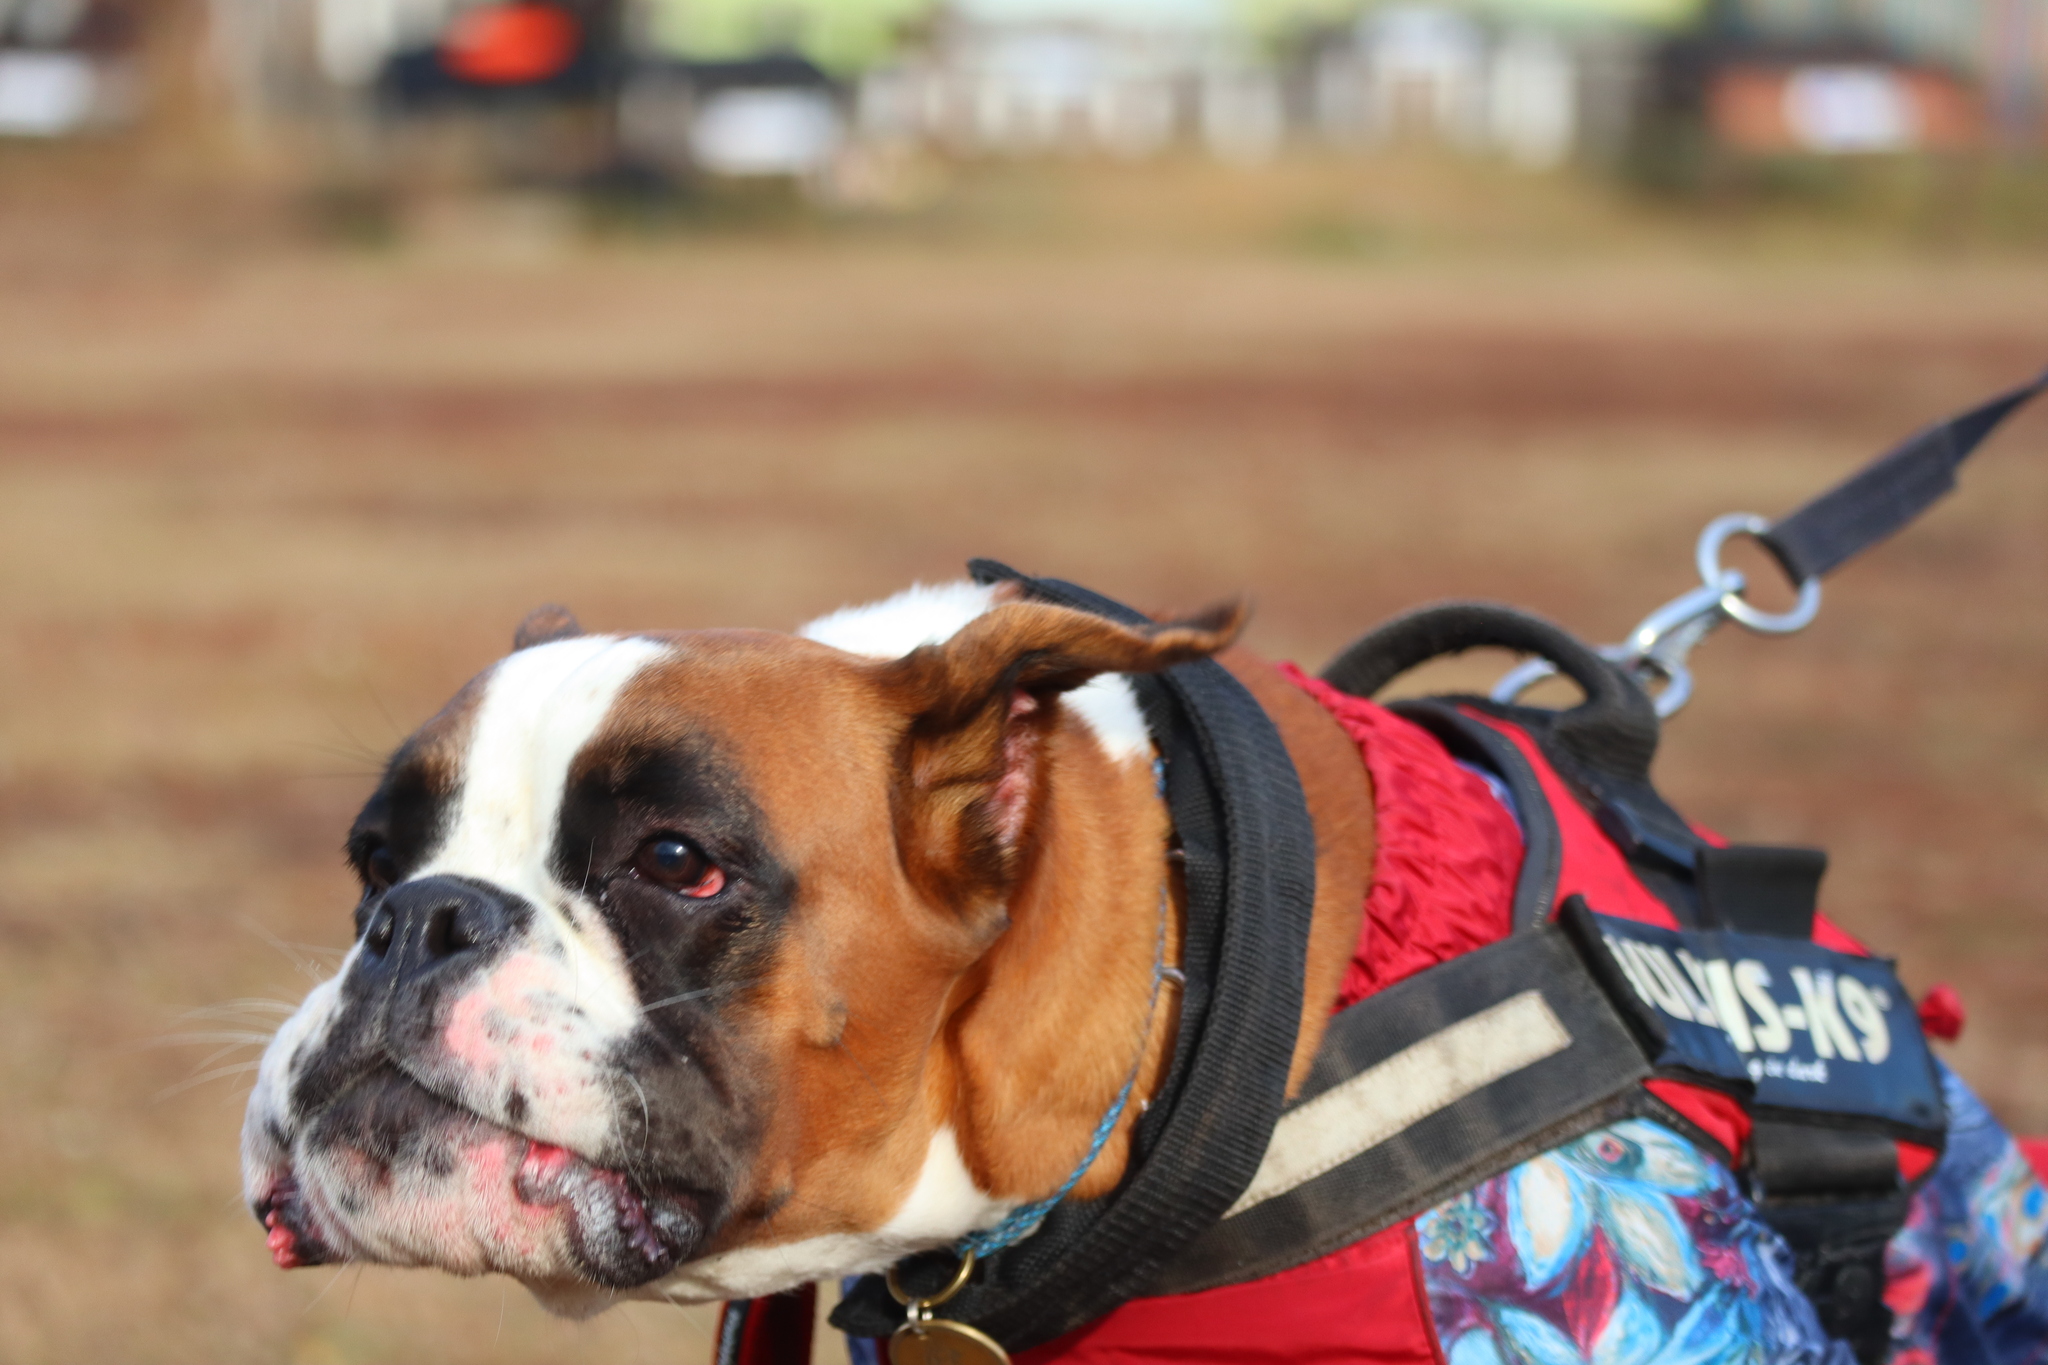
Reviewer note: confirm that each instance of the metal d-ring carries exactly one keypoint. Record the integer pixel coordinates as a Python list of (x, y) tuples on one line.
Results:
[(1707, 556), (1656, 650), (929, 1301)]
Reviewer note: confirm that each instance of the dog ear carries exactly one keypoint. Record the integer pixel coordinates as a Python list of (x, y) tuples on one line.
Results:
[(981, 707), (542, 624)]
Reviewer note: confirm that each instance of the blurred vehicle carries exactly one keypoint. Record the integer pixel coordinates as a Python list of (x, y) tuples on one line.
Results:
[(1768, 79), (774, 115), (66, 66), (424, 54), (1834, 108)]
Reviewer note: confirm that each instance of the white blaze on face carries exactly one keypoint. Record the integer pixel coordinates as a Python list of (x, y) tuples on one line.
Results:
[(539, 708), (536, 1024)]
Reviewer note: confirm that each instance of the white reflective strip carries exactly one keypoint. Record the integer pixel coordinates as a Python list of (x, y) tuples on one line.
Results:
[(1406, 1088)]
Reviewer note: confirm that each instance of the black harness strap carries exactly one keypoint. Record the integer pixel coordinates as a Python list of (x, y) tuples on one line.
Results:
[(1242, 821), (1836, 1198), (1884, 495), (1421, 1091)]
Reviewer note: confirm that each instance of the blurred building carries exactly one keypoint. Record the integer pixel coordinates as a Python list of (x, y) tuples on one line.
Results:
[(775, 86), (1123, 77), (789, 87), (66, 66), (1537, 83)]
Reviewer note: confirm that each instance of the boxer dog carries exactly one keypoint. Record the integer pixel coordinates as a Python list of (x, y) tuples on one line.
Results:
[(707, 964)]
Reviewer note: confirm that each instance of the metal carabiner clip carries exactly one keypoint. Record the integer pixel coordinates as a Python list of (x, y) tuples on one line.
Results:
[(1655, 652)]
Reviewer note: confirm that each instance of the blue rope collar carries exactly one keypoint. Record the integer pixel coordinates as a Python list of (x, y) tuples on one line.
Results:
[(1024, 1220)]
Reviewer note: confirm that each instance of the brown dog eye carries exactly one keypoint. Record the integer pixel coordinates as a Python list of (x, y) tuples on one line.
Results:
[(671, 861)]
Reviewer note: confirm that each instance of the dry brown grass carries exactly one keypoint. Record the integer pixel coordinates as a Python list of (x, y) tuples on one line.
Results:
[(261, 511)]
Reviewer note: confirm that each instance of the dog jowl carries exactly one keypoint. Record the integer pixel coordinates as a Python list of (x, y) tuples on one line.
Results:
[(678, 957)]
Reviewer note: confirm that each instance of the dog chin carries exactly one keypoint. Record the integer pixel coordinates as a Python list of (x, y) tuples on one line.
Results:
[(572, 1298), (392, 1173)]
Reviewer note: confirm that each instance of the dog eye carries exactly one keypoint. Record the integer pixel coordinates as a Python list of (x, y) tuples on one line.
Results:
[(671, 861), (380, 867)]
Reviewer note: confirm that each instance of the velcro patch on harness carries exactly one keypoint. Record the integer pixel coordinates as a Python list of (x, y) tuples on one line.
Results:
[(1813, 1031)]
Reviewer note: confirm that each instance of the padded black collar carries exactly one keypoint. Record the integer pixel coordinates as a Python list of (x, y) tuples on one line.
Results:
[(1243, 825)]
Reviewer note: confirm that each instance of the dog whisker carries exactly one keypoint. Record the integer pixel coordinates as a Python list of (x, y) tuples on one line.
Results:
[(348, 1305), (229, 1043), (684, 1309), (646, 1117), (235, 1037), (699, 994), (214, 1074), (218, 1053), (338, 751), (328, 1286), (353, 746), (228, 1009), (290, 952)]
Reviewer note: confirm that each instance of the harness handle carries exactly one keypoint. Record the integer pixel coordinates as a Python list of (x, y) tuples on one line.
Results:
[(1614, 729)]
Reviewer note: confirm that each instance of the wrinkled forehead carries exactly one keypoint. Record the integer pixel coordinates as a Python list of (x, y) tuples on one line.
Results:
[(788, 732), (783, 717), (524, 723)]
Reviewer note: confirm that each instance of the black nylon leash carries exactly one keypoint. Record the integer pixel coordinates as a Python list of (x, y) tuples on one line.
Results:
[(1875, 502), (1249, 869), (1883, 496)]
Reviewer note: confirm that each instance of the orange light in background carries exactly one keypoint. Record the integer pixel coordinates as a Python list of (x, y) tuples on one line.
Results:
[(510, 44)]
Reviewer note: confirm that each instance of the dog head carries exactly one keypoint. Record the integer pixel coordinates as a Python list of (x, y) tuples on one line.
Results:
[(662, 944)]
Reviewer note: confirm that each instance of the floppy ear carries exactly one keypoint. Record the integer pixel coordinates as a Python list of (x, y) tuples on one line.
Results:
[(980, 707), (542, 624)]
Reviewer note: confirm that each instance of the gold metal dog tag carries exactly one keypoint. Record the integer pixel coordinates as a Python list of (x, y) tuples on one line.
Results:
[(939, 1342), (926, 1340)]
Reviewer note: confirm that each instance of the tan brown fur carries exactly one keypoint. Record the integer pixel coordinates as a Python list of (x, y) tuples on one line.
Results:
[(927, 978), (436, 751), (860, 980), (1339, 796)]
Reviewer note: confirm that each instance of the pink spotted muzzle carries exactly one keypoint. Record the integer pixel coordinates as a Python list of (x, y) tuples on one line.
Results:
[(392, 1174)]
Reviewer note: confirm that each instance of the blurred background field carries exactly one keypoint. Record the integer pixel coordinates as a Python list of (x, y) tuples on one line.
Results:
[(316, 374)]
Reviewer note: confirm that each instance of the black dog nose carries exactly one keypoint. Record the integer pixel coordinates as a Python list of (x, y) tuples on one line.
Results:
[(423, 926)]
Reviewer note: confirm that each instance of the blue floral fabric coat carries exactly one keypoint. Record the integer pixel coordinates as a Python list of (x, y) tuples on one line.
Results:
[(1630, 1247)]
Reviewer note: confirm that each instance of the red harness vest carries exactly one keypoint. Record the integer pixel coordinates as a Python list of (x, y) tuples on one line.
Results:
[(1443, 885)]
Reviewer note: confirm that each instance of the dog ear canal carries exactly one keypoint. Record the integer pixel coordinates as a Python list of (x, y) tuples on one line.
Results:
[(542, 624), (980, 709)]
